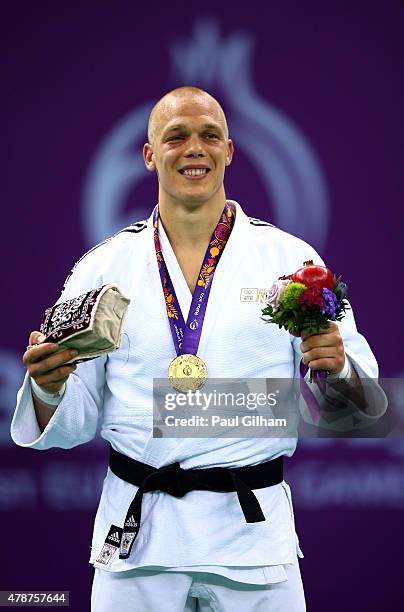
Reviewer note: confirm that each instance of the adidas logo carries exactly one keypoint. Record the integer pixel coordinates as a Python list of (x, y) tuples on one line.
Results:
[(131, 522), (114, 537)]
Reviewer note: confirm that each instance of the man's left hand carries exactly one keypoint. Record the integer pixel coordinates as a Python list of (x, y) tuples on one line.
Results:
[(325, 350)]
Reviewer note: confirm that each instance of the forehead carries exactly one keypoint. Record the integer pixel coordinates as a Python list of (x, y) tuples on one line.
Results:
[(188, 110)]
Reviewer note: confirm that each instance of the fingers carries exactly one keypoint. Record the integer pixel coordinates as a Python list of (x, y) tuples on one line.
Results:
[(51, 371), (54, 379), (35, 353), (312, 342), (325, 359), (42, 359), (325, 350), (46, 362), (35, 337)]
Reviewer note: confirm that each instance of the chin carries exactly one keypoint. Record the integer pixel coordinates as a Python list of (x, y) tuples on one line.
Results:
[(195, 198)]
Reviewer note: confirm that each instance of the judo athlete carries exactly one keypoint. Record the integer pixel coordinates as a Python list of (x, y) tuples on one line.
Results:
[(204, 539)]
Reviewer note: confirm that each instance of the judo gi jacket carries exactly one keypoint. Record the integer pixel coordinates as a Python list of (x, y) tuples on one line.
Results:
[(203, 528)]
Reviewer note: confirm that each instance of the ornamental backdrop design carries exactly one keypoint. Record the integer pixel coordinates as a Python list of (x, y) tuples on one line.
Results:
[(282, 156)]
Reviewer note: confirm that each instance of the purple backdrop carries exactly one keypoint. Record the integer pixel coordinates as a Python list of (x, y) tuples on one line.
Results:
[(314, 97)]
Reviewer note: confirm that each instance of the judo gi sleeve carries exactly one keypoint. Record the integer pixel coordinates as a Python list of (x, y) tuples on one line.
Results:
[(74, 421), (338, 412)]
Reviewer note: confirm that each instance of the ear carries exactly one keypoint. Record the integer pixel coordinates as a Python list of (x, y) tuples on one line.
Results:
[(230, 152), (148, 157)]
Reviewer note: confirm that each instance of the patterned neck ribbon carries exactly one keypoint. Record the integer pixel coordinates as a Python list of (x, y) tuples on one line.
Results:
[(186, 336)]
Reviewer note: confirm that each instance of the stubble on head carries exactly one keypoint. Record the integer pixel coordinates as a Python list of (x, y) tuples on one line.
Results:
[(163, 109)]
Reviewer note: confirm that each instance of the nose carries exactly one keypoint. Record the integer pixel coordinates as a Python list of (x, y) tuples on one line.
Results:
[(195, 147)]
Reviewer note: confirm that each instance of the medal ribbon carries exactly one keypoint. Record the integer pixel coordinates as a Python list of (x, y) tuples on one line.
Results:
[(186, 336), (319, 377)]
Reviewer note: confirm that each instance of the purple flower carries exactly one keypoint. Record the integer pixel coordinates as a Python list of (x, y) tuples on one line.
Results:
[(331, 303), (275, 292)]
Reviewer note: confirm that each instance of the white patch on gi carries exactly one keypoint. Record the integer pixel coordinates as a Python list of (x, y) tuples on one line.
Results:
[(254, 295), (106, 554)]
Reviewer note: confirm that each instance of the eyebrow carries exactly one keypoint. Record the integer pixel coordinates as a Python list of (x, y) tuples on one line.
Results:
[(182, 126)]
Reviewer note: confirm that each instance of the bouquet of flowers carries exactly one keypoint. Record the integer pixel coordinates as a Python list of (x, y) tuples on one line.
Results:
[(306, 300)]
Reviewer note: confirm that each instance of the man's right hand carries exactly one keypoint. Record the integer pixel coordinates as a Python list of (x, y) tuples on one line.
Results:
[(45, 365)]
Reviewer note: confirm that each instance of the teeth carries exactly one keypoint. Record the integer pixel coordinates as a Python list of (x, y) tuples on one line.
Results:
[(195, 171)]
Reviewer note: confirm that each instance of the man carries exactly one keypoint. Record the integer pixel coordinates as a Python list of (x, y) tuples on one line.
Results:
[(195, 551)]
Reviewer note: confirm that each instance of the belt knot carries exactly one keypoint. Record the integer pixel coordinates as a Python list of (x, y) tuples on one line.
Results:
[(176, 481)]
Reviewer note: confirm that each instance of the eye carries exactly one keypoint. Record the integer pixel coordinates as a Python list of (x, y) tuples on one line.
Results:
[(212, 136), (174, 138)]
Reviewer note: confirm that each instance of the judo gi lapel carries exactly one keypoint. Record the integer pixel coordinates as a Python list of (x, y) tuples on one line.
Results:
[(182, 291), (224, 276)]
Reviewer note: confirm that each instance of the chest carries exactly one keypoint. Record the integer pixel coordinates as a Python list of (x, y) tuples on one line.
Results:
[(190, 264), (234, 341)]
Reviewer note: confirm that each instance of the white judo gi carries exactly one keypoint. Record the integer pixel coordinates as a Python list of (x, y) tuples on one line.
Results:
[(203, 531)]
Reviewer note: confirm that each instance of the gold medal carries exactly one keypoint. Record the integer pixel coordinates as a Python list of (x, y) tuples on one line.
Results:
[(187, 372)]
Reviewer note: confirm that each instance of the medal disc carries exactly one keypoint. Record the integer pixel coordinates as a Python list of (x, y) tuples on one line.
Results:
[(187, 372)]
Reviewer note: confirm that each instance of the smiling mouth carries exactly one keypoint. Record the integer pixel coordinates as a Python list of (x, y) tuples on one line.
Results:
[(195, 172)]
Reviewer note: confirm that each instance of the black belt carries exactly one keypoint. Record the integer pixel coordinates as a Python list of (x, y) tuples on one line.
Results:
[(174, 480)]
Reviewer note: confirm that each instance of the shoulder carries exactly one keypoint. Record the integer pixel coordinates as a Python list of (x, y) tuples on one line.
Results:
[(278, 242), (119, 241), (112, 251)]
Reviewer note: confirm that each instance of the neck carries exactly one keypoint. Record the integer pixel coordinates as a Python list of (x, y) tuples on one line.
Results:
[(190, 226)]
